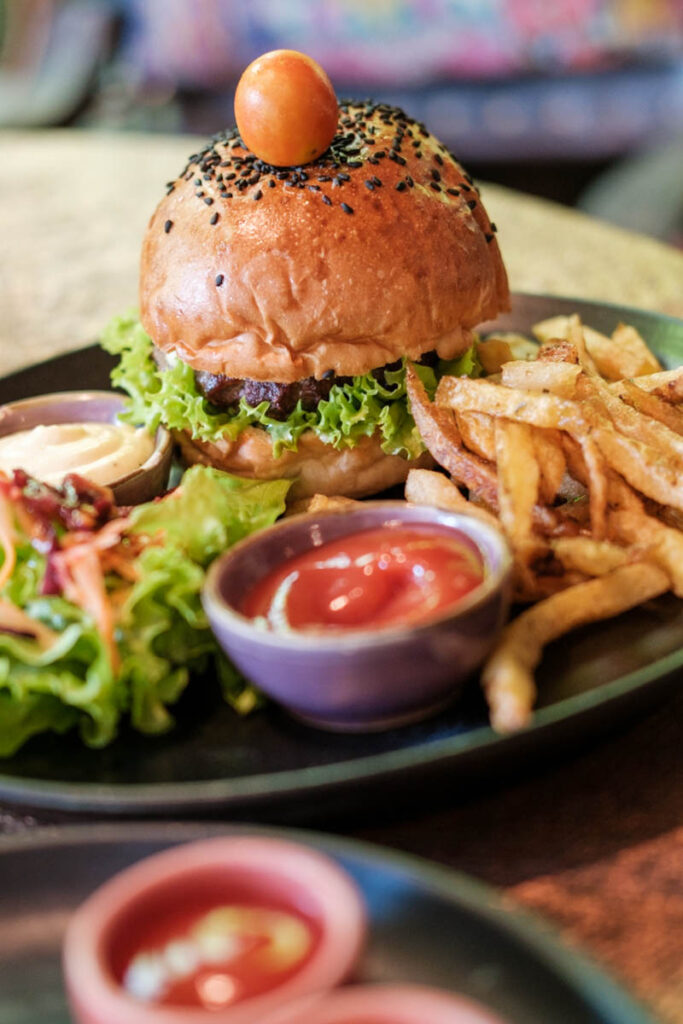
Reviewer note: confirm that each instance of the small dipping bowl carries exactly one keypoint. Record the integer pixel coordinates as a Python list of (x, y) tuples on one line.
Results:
[(143, 484), (356, 679), (101, 935), (385, 1004)]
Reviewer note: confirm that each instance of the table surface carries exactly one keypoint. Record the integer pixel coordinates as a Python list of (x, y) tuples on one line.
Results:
[(594, 843)]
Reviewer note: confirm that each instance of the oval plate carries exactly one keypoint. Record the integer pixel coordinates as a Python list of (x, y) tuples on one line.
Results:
[(427, 925), (269, 765)]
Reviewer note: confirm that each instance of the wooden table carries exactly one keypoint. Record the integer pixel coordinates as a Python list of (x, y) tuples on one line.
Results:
[(594, 843)]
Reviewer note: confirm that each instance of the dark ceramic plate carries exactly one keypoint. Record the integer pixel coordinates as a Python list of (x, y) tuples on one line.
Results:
[(427, 925), (269, 765)]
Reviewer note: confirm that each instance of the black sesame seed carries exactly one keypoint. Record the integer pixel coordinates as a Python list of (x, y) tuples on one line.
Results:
[(489, 238), (327, 374), (327, 200), (494, 227), (438, 159), (229, 177), (343, 177), (346, 208), (370, 185), (209, 201), (168, 225), (400, 186), (197, 181), (214, 219), (453, 191), (323, 177), (219, 280), (313, 188), (257, 195), (472, 203), (271, 183), (376, 181), (433, 185), (199, 194), (354, 163), (227, 195), (435, 175), (409, 181)]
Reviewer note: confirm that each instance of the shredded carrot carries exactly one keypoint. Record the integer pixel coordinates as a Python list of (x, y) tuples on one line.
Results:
[(15, 620), (84, 585)]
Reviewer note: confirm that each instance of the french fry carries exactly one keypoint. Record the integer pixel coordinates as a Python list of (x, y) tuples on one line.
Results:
[(558, 378), (634, 357), (630, 421), (596, 469), (492, 353), (441, 436), (478, 433), (649, 403), (588, 556), (507, 677), (667, 385), (662, 544), (551, 462), (643, 466), (556, 351), (518, 479), (576, 336), (427, 487), (464, 395), (321, 503)]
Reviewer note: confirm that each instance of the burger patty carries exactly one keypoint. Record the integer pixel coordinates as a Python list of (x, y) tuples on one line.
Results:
[(226, 392)]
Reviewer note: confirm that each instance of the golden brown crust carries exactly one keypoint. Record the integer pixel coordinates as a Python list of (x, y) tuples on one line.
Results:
[(316, 467), (307, 287)]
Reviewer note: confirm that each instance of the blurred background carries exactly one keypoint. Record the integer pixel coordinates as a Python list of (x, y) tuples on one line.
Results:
[(580, 101)]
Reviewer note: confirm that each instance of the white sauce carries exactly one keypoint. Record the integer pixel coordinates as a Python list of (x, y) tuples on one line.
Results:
[(100, 452)]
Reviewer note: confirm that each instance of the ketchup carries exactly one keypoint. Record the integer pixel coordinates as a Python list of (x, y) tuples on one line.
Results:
[(218, 956), (373, 579)]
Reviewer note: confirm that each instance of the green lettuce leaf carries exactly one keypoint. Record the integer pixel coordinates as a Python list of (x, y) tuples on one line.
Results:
[(163, 635), (352, 412)]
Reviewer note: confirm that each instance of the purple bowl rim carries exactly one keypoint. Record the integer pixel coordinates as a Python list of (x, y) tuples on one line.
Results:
[(162, 437), (225, 615)]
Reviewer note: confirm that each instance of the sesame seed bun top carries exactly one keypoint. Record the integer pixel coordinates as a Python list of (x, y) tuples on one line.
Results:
[(380, 248)]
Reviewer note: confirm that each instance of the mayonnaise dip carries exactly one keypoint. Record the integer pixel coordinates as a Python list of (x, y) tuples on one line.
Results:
[(100, 452)]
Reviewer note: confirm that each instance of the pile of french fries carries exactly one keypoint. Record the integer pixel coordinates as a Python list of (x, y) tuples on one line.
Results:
[(573, 446)]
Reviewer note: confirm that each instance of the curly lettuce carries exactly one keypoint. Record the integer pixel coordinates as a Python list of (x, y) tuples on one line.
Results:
[(359, 409)]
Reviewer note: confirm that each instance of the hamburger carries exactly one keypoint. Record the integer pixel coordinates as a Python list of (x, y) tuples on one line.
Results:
[(279, 305)]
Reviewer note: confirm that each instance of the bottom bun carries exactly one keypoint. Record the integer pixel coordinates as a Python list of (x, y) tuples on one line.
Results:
[(316, 467)]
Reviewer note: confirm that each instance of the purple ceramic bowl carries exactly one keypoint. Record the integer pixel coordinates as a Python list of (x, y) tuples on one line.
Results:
[(88, 407), (359, 680)]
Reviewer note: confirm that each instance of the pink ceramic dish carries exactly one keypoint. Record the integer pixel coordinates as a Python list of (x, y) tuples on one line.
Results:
[(385, 1004), (239, 869)]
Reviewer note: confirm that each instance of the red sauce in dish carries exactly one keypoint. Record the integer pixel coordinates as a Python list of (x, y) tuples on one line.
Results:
[(373, 579), (218, 956)]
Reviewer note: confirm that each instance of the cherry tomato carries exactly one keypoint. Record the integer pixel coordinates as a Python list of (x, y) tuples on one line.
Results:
[(285, 108)]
